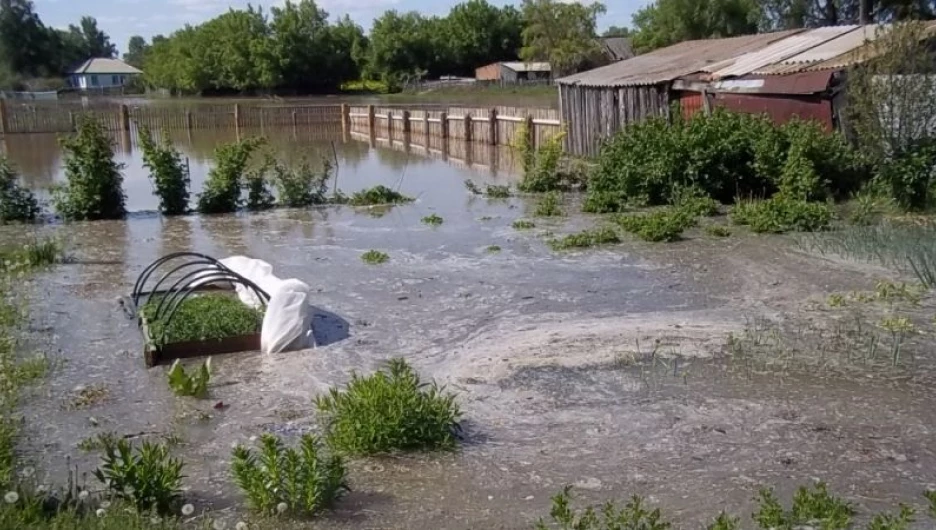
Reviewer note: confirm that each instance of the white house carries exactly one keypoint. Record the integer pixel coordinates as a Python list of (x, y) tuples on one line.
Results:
[(102, 73)]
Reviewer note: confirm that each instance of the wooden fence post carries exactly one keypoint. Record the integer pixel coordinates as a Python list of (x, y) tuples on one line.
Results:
[(406, 122), (492, 119), (3, 116), (371, 121), (443, 122), (188, 120), (295, 120), (345, 118), (237, 116), (124, 122), (71, 120), (468, 129), (530, 133)]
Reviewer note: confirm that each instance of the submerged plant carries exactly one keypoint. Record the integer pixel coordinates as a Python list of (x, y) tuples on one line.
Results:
[(389, 410), (930, 496), (278, 479), (199, 318), (375, 257), (718, 230), (168, 172), (585, 239), (902, 520), (303, 186), (899, 328), (491, 191), (378, 195), (259, 195), (222, 191), (146, 476), (17, 204), (811, 506), (493, 249), (549, 206), (193, 384), (433, 220), (94, 183), (523, 224), (633, 516), (661, 225)]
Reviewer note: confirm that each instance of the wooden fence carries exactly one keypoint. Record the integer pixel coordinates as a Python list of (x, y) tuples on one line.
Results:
[(494, 126), (60, 117)]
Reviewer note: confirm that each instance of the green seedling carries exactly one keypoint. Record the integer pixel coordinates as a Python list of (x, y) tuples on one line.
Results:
[(193, 384), (145, 476)]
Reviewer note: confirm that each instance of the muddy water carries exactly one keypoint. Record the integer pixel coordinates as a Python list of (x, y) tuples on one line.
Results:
[(529, 339)]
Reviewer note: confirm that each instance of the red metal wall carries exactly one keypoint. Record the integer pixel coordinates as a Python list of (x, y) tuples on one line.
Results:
[(690, 103), (780, 108)]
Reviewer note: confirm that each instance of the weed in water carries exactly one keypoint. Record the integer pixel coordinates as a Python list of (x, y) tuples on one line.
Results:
[(259, 195), (493, 249), (930, 496), (99, 441), (779, 214), (811, 506), (549, 206), (433, 220), (485, 218), (902, 520), (199, 318), (375, 257), (222, 189), (661, 225), (378, 195), (718, 230), (168, 172), (836, 300), (899, 328), (523, 224), (473, 188), (633, 516), (193, 384), (304, 479), (145, 476), (94, 183), (541, 165), (89, 396), (303, 186), (390, 410), (491, 191), (17, 204), (30, 256), (725, 522), (585, 239)]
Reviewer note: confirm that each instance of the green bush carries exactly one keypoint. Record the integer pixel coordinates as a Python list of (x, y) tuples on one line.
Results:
[(302, 187), (693, 202), (194, 384), (222, 192), (168, 171), (94, 183), (390, 410), (541, 166), (259, 195), (910, 175), (633, 516), (147, 476), (718, 230), (661, 225), (549, 206), (17, 204), (304, 480), (585, 239), (780, 214), (811, 506), (378, 195)]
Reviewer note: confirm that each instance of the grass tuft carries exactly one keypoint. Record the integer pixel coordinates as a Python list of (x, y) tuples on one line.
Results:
[(658, 226), (493, 249), (585, 239), (375, 257), (378, 195), (718, 230), (523, 224), (778, 215), (433, 220)]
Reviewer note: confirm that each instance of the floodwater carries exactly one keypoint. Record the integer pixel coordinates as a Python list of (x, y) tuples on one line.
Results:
[(529, 339)]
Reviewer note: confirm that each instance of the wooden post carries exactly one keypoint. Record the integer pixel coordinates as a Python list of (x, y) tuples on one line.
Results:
[(237, 116), (3, 116), (188, 120), (406, 122), (492, 119), (530, 133), (468, 129), (124, 123), (345, 118), (443, 122), (371, 121), (71, 120)]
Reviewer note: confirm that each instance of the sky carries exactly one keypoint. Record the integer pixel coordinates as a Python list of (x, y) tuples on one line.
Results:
[(122, 19)]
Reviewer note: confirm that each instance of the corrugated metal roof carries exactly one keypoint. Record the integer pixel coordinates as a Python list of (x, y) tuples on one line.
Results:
[(518, 66), (666, 64), (106, 66), (827, 50), (778, 51), (617, 48), (858, 54)]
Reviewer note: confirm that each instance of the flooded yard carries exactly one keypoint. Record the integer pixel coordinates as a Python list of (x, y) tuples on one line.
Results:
[(607, 369)]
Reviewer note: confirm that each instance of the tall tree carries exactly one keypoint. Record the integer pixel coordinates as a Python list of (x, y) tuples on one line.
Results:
[(667, 22), (136, 51), (301, 44), (25, 46), (96, 43), (479, 33), (787, 14), (561, 33)]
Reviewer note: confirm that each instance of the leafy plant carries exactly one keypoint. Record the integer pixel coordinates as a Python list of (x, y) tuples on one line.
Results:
[(725, 522), (168, 172), (661, 225), (17, 204), (693, 202), (780, 214), (389, 410), (718, 230), (193, 384), (378, 195), (304, 479), (375, 257), (633, 516), (94, 187), (259, 195), (146, 476), (585, 239), (899, 328), (222, 191), (493, 249), (198, 318), (814, 507), (930, 496), (549, 206), (886, 521), (541, 167), (433, 220), (303, 187), (523, 224)]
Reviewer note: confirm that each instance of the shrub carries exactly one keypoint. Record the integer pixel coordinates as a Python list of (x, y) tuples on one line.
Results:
[(541, 166), (549, 206), (910, 175), (200, 317), (17, 204), (780, 214), (814, 507), (168, 172), (145, 476), (387, 411), (523, 224), (302, 187), (378, 195), (585, 239), (718, 230), (304, 479), (94, 183), (433, 220), (259, 196), (222, 192), (693, 202), (375, 257), (633, 516), (193, 384), (661, 225)]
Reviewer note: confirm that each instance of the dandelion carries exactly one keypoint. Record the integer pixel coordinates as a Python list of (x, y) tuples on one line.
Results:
[(11, 497), (281, 507), (188, 509), (83, 495), (100, 512), (241, 525)]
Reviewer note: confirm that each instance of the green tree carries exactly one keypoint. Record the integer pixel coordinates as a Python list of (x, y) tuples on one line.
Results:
[(616, 31), (95, 42), (136, 51), (479, 33), (787, 14), (404, 47), (667, 22), (24, 40), (561, 33)]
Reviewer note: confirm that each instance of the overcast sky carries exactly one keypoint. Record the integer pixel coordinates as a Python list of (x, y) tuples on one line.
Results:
[(123, 18)]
